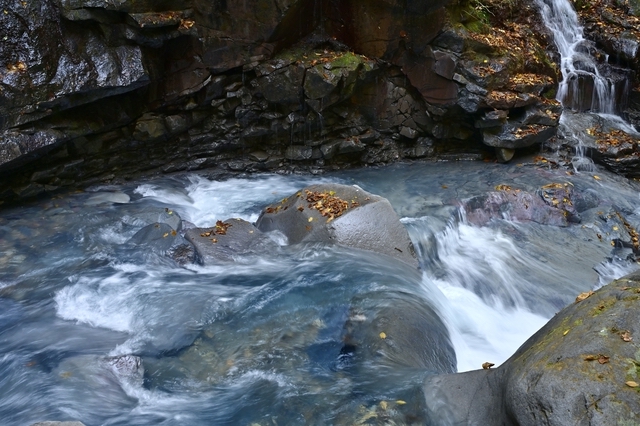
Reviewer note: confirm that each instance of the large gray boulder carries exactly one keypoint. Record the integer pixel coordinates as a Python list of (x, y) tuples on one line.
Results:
[(340, 214), (227, 240), (581, 368)]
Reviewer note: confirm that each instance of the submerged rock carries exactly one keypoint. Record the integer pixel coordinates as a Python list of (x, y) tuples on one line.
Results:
[(156, 237), (582, 367), (340, 214), (54, 423), (397, 330)]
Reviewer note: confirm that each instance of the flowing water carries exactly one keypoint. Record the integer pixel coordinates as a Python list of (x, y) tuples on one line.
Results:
[(580, 74), (260, 341)]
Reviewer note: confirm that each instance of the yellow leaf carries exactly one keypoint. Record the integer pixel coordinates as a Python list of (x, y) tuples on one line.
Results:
[(310, 219), (383, 335), (565, 332), (631, 384), (596, 177), (401, 402)]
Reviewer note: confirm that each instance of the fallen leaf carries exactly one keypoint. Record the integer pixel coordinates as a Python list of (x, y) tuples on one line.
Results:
[(383, 335), (565, 332), (584, 295), (603, 359), (487, 365), (401, 402), (383, 405), (590, 358), (596, 177), (631, 384), (310, 219), (626, 336)]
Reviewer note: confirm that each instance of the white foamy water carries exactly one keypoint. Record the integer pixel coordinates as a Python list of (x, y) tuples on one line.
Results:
[(203, 201), (479, 275), (576, 60), (264, 338)]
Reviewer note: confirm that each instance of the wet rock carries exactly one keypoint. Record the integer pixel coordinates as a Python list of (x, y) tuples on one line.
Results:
[(165, 216), (469, 398), (340, 214), (560, 195), (334, 80), (228, 241), (534, 126), (400, 332), (94, 378), (611, 143), (183, 253), (158, 237), (412, 23), (115, 197), (587, 351), (550, 207), (282, 86), (127, 367), (423, 74)]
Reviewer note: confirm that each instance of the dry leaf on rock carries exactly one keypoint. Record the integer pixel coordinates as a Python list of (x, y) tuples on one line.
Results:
[(584, 295)]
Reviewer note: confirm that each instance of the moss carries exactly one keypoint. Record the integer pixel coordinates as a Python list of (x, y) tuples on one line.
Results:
[(603, 306), (348, 60), (550, 94)]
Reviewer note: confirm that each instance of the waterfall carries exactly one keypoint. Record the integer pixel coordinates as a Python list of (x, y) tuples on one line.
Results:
[(581, 78)]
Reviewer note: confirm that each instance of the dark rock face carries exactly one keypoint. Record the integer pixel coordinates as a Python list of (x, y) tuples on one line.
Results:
[(340, 214), (580, 368), (91, 88)]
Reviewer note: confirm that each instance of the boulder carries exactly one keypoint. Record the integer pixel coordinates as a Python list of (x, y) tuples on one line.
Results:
[(551, 205), (228, 240), (582, 367), (340, 214), (396, 330)]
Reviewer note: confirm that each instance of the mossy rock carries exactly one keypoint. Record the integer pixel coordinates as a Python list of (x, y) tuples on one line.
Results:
[(582, 367)]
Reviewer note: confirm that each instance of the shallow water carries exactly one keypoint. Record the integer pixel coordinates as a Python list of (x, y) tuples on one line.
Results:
[(261, 341)]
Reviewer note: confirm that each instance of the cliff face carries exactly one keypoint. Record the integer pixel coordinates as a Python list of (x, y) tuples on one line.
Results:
[(93, 91)]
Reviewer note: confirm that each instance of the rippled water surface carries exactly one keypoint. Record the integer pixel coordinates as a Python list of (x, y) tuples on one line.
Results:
[(261, 341)]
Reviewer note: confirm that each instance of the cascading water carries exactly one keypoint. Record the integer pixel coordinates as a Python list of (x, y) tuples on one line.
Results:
[(581, 78), (260, 341)]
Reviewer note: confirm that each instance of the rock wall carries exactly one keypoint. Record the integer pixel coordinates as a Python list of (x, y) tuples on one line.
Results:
[(95, 91)]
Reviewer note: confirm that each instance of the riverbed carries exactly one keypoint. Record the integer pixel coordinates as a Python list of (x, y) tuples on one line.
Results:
[(259, 341)]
